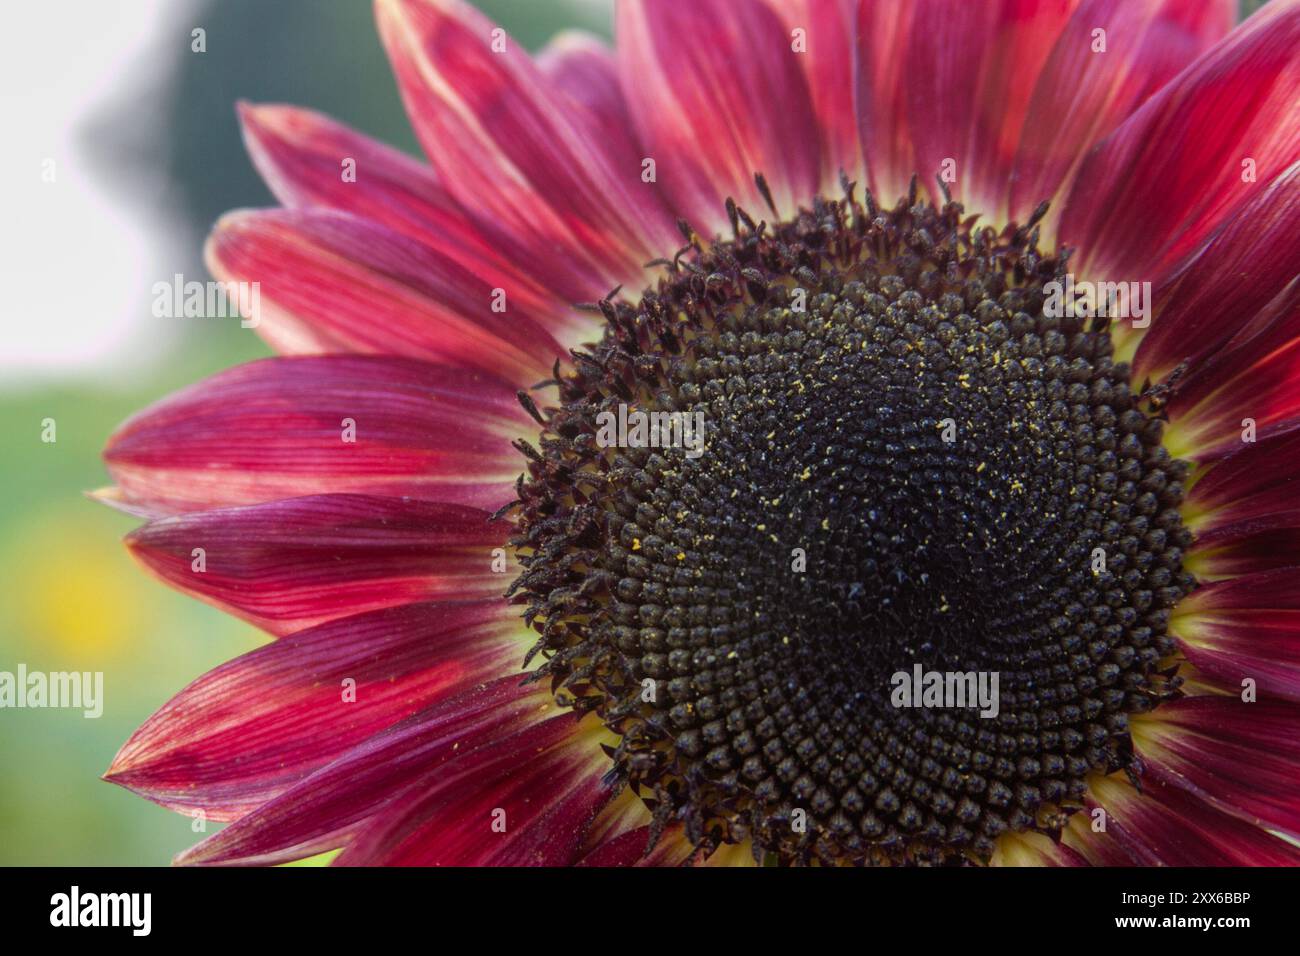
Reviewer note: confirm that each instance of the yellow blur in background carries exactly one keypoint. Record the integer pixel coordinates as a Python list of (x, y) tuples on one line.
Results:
[(75, 601)]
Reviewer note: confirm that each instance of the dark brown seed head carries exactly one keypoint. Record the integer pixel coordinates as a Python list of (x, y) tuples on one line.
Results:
[(904, 461)]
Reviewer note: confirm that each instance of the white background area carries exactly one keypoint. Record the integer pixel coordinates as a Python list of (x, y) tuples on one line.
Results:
[(75, 260), (78, 257)]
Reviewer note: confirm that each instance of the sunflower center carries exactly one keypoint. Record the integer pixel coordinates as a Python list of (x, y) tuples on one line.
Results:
[(864, 556)]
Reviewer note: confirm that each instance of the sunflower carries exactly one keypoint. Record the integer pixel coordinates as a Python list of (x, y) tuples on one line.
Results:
[(970, 332)]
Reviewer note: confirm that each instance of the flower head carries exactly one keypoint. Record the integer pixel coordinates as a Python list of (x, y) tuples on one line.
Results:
[(819, 431)]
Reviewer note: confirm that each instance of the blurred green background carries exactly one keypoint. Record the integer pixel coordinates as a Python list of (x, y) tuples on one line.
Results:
[(73, 599)]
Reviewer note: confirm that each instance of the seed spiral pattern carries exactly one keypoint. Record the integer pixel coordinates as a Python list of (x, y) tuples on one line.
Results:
[(904, 461)]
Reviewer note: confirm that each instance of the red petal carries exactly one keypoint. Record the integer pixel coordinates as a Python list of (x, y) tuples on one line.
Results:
[(1081, 96), (1246, 627), (1256, 481), (322, 810), (1266, 395), (583, 67), (1096, 849), (880, 87), (300, 154), (1252, 381), (1238, 101), (1221, 296), (827, 27), (1164, 826), (629, 849), (969, 74), (1245, 511), (332, 282), (246, 731), (518, 150), (291, 564), (1243, 758), (718, 94), (1033, 849), (1246, 548), (275, 429), (620, 836), (524, 800)]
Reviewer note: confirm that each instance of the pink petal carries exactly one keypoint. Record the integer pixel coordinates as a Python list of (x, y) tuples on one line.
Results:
[(1239, 101), (246, 731), (519, 151), (321, 811), (291, 564), (827, 27), (718, 94), (526, 800), (300, 155), (1081, 96), (969, 73), (1203, 745), (880, 96), (582, 66), (275, 428), (332, 282)]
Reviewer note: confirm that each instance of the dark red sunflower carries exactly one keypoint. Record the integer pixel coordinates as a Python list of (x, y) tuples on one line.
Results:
[(838, 232)]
